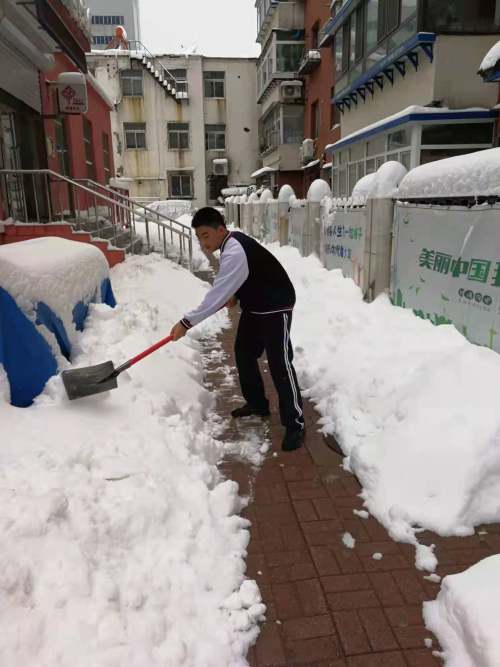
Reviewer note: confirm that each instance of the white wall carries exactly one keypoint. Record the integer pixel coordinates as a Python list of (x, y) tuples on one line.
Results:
[(457, 60), (149, 168), (417, 87)]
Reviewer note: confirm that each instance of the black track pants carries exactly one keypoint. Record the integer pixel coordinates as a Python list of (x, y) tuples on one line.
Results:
[(271, 333)]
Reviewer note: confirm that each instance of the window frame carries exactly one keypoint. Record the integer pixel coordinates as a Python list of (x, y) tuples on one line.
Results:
[(135, 131), (131, 77), (211, 82), (212, 135), (180, 175), (88, 144), (174, 130)]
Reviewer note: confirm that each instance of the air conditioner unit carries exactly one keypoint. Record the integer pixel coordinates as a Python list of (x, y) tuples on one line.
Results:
[(291, 91), (307, 151), (220, 167)]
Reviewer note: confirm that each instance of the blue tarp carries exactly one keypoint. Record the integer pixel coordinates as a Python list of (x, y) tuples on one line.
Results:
[(25, 354)]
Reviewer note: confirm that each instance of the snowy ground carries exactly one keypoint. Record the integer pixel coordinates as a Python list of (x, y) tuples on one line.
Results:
[(414, 406), (120, 544), (415, 409)]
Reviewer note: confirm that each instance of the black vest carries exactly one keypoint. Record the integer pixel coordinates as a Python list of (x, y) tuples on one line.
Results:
[(268, 287)]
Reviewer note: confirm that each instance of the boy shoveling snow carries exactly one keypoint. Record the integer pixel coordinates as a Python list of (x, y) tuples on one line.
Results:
[(250, 274)]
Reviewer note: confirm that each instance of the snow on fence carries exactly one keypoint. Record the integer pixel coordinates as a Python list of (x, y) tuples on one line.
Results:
[(346, 235), (435, 252)]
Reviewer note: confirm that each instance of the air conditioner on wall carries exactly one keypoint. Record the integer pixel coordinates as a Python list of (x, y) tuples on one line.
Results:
[(220, 167), (307, 150), (291, 91)]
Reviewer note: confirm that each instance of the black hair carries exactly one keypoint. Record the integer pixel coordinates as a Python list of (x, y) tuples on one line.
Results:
[(208, 217)]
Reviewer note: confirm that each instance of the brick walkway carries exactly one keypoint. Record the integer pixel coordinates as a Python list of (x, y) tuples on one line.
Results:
[(328, 605)]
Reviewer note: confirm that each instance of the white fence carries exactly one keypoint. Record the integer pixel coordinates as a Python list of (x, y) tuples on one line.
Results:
[(353, 238), (441, 261)]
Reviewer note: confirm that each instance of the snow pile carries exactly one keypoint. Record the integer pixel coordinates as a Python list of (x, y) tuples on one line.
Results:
[(471, 175), (54, 271), (172, 208), (466, 614), (396, 392), (491, 58), (120, 543), (318, 190), (383, 183)]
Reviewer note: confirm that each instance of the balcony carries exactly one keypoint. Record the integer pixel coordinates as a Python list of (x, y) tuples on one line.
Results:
[(309, 62)]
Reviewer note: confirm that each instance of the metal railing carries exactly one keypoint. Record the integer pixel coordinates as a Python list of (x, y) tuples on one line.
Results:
[(43, 195), (179, 87)]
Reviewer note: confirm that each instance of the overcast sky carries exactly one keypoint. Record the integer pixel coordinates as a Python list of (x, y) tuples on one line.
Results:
[(214, 27)]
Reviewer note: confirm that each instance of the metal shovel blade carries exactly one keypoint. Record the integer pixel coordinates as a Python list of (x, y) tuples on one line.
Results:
[(90, 380)]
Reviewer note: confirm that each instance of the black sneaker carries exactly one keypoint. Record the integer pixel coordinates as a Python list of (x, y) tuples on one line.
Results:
[(293, 440), (247, 411)]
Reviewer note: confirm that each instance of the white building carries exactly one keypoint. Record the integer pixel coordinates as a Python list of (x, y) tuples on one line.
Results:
[(107, 14), (184, 127), (406, 83)]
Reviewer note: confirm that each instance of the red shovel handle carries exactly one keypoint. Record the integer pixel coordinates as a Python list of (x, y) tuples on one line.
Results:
[(140, 356)]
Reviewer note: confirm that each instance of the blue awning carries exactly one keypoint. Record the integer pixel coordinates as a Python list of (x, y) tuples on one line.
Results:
[(398, 59), (411, 116)]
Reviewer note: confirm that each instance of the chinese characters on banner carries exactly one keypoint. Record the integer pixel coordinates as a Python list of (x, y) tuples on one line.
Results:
[(343, 242), (447, 267)]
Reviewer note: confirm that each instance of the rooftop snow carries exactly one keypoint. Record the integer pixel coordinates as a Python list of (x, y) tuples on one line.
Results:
[(262, 171)]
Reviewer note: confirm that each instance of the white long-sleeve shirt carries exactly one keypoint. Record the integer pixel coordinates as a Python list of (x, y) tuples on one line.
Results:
[(233, 272)]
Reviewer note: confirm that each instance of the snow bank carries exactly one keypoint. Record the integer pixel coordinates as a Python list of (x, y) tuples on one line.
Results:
[(466, 614), (56, 271), (472, 175), (396, 392), (120, 543), (172, 208), (491, 58)]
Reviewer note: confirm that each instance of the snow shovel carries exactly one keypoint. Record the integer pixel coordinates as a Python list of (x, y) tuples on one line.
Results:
[(91, 380)]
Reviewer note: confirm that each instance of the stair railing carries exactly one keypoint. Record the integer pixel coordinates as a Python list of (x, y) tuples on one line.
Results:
[(46, 196)]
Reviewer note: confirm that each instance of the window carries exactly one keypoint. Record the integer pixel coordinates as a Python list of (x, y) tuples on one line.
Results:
[(180, 76), (89, 148), (461, 16), (106, 156), (215, 84), (215, 137), (372, 10), (270, 130), (288, 56), (108, 20), (102, 40), (388, 17), (339, 49), (132, 82), (135, 135), (293, 124), (315, 120), (398, 139), (359, 33), (346, 30), (178, 136), (180, 185), (463, 133)]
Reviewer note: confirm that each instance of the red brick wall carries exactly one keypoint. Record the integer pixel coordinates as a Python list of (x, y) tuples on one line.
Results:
[(99, 116), (320, 81)]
